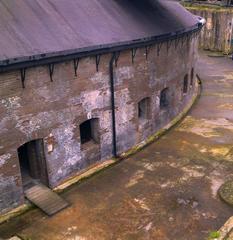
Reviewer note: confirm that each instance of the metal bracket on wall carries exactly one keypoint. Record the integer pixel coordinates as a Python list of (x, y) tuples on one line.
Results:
[(183, 38), (188, 39), (169, 43), (117, 55), (147, 49), (133, 53), (159, 46), (97, 62), (23, 76), (76, 64), (177, 41), (51, 71), (192, 35)]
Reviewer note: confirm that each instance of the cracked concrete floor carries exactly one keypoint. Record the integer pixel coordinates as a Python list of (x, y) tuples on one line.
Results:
[(167, 191)]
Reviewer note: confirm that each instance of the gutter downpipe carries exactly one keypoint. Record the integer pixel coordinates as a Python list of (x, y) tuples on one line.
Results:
[(112, 89), (114, 150)]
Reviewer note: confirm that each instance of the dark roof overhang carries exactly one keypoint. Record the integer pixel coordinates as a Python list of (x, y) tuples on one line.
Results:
[(58, 57)]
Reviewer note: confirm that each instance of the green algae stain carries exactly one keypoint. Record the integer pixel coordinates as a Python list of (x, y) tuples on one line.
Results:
[(205, 127), (203, 7), (225, 106), (214, 235)]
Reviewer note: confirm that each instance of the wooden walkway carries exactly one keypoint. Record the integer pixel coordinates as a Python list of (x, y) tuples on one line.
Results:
[(44, 198)]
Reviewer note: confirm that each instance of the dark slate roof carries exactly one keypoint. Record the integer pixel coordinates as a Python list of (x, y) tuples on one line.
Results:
[(53, 27)]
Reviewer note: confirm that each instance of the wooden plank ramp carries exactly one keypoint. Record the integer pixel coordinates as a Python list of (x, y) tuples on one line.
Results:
[(44, 198)]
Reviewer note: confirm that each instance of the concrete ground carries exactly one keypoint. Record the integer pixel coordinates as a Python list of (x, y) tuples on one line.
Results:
[(168, 191)]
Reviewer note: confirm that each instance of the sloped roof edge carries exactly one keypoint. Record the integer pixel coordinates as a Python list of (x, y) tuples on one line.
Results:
[(150, 22)]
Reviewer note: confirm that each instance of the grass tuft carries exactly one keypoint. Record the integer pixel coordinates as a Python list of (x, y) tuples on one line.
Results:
[(214, 235)]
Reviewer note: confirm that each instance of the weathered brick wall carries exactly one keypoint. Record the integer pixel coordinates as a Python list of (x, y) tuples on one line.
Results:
[(217, 33), (54, 110)]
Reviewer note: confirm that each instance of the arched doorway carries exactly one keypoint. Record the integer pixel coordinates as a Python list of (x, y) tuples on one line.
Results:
[(192, 77), (144, 109), (185, 84), (164, 98), (32, 162)]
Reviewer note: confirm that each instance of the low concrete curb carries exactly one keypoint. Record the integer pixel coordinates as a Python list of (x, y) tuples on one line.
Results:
[(226, 230), (94, 169)]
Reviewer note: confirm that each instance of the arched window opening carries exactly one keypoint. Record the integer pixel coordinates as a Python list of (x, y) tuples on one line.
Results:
[(144, 108), (164, 99), (32, 162), (185, 84), (192, 77), (89, 131)]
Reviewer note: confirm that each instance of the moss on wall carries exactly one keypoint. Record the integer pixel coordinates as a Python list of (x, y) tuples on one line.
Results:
[(207, 7)]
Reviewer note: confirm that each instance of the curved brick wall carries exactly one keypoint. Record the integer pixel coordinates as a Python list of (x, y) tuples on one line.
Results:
[(53, 111)]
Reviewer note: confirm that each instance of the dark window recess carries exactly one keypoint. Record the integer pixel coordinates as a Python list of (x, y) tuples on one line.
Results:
[(144, 108), (192, 77), (185, 84), (89, 131), (164, 101)]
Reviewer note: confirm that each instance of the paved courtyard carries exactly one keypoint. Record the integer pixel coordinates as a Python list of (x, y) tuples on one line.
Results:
[(168, 191)]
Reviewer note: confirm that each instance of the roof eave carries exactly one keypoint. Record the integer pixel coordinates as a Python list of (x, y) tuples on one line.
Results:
[(52, 58)]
